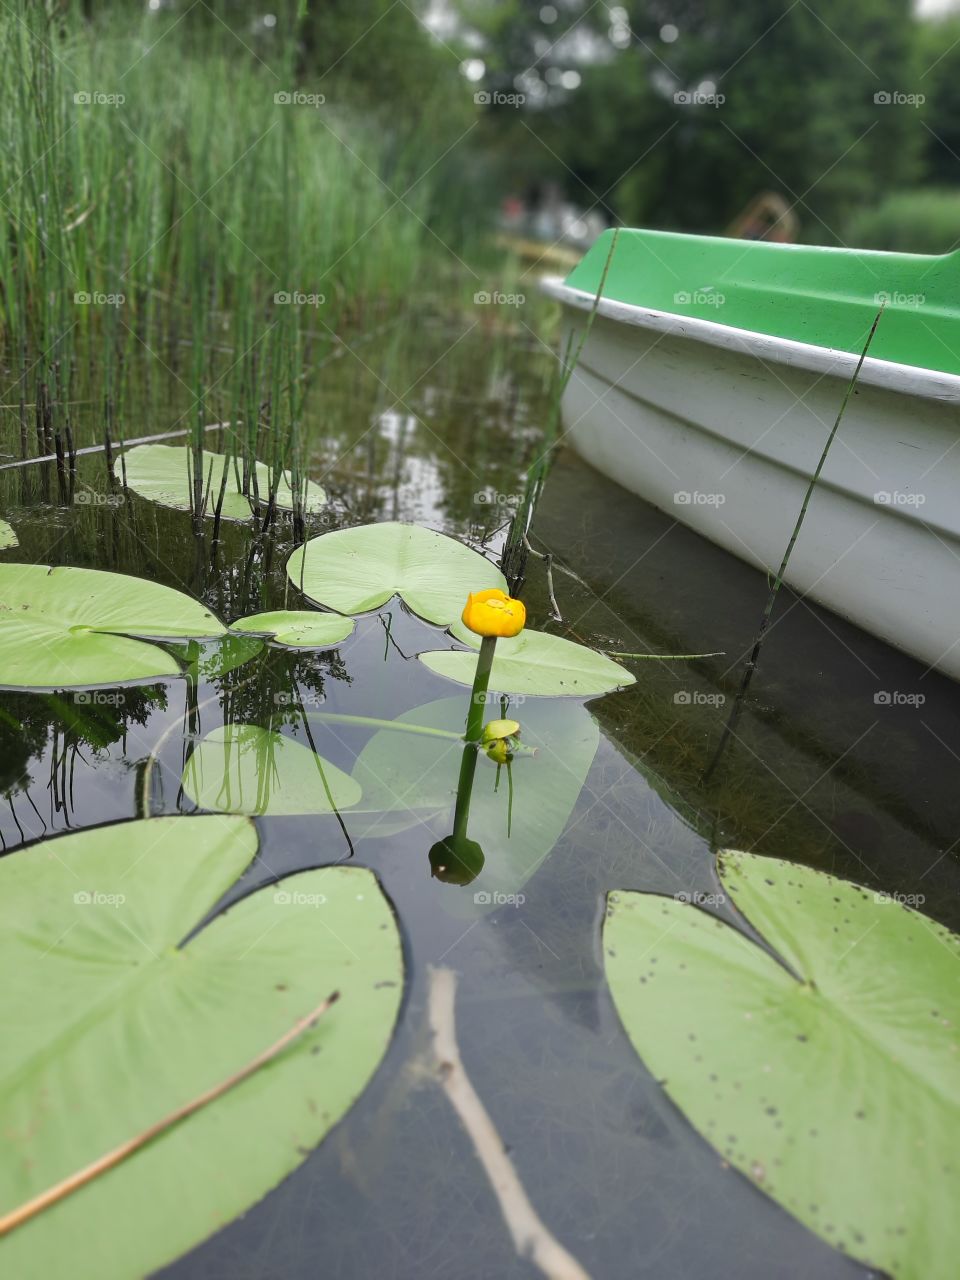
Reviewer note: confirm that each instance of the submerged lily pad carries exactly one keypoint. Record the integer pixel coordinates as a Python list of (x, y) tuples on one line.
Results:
[(8, 537), (117, 1025), (298, 628), (356, 570), (161, 473), (64, 628), (535, 663), (412, 776), (832, 1087), (241, 768)]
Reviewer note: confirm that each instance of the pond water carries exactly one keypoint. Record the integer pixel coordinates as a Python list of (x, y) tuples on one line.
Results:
[(845, 759)]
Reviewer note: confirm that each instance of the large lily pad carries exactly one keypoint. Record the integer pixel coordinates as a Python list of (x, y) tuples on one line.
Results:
[(535, 663), (8, 537), (161, 473), (356, 570), (298, 628), (63, 628), (832, 1087), (242, 768), (115, 1026), (405, 774)]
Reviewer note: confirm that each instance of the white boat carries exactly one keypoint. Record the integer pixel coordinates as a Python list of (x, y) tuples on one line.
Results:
[(715, 404)]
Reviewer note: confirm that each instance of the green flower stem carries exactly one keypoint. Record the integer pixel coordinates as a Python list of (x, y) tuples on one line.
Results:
[(477, 694), (468, 769)]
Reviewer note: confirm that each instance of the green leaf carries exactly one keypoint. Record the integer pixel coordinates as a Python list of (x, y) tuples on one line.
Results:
[(241, 768), (214, 659), (116, 1026), (414, 777), (8, 537), (161, 473), (535, 663), (64, 628), (298, 628), (356, 570), (834, 1087)]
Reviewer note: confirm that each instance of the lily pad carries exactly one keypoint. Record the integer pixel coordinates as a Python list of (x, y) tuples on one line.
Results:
[(535, 663), (356, 570), (829, 1080), (405, 773), (117, 1025), (161, 473), (67, 628), (8, 537), (241, 768), (298, 628)]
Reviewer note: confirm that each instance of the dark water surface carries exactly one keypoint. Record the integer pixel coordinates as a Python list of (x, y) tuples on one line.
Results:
[(824, 770)]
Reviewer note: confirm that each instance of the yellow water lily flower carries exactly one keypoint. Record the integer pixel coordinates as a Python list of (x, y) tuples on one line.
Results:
[(497, 729), (494, 613)]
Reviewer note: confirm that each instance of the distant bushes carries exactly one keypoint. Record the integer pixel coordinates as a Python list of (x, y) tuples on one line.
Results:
[(924, 220)]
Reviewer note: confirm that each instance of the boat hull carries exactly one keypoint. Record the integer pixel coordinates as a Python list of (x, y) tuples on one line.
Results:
[(723, 429)]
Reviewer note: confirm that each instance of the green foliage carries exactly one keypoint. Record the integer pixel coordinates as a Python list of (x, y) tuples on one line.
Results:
[(119, 1023), (924, 220), (823, 1071)]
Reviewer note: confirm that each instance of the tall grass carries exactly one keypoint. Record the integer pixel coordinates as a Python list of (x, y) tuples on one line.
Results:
[(156, 197)]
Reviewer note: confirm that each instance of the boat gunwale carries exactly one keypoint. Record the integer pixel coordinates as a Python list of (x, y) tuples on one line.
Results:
[(906, 379)]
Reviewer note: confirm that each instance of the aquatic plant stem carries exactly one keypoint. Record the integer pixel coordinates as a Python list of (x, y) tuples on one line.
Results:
[(481, 681), (24, 1212), (754, 658)]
